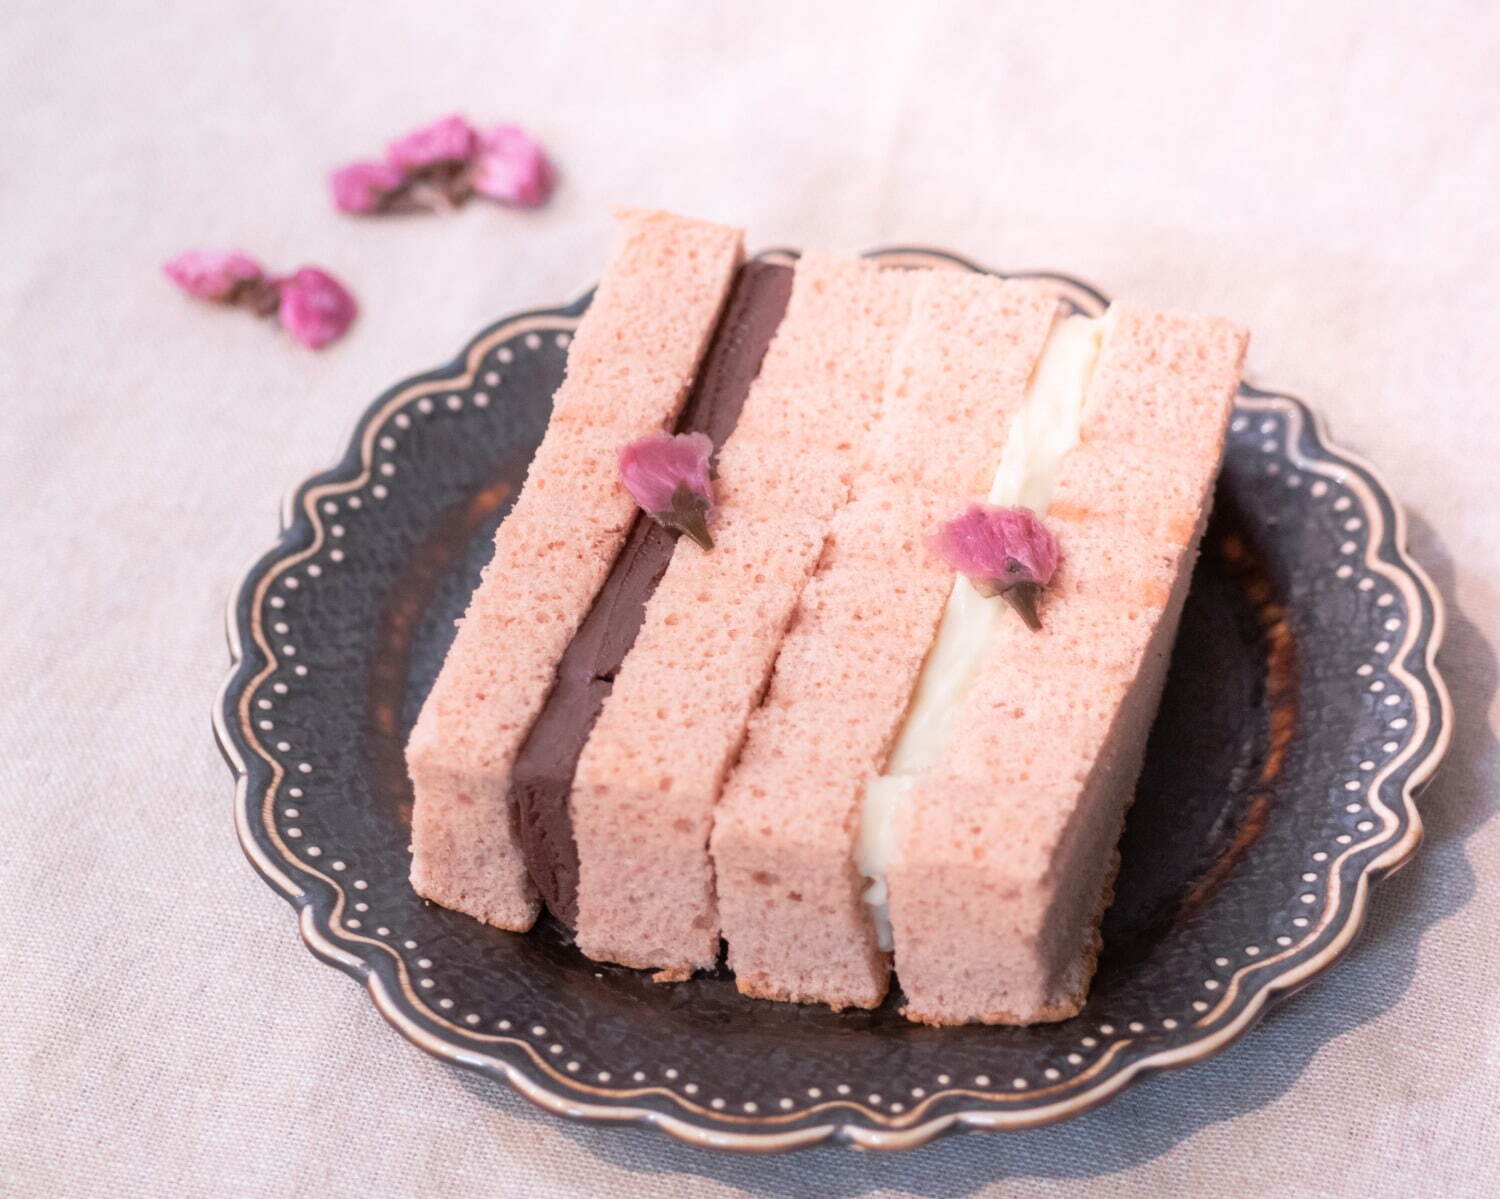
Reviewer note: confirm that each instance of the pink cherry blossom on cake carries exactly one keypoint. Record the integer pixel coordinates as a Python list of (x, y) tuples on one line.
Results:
[(1001, 551), (510, 166), (670, 478), (449, 140), (315, 307), (213, 274), (364, 186)]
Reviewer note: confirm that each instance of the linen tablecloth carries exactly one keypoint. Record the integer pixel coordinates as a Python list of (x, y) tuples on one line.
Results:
[(1326, 173)]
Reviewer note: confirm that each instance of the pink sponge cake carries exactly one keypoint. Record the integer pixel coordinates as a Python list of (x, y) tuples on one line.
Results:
[(648, 779), (630, 364), (784, 838), (1004, 844)]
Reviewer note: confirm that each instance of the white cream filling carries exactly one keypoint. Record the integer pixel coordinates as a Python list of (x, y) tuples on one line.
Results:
[(1046, 428)]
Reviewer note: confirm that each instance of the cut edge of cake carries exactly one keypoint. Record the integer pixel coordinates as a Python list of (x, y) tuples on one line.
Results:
[(791, 897), (650, 774), (630, 364), (1006, 854)]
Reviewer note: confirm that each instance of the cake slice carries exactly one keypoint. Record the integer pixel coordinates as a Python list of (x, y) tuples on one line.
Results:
[(630, 364), (647, 780), (542, 777), (1004, 825), (790, 896)]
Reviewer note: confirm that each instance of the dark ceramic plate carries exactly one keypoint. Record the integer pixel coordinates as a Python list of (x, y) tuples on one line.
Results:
[(1302, 713)]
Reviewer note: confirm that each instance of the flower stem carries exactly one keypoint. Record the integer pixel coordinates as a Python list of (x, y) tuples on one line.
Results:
[(1023, 598), (689, 515)]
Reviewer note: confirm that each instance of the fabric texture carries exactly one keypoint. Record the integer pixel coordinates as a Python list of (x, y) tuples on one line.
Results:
[(1325, 173)]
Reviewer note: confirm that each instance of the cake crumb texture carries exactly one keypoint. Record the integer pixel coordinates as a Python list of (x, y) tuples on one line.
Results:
[(630, 364), (790, 894), (1005, 854), (649, 776)]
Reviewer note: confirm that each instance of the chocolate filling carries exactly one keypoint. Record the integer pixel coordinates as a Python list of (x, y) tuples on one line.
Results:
[(542, 778)]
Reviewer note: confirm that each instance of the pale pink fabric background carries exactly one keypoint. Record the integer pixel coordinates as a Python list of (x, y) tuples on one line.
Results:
[(1327, 173)]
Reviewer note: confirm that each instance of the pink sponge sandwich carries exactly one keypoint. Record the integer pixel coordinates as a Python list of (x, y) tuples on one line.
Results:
[(790, 898), (1000, 834), (831, 623), (630, 365), (649, 777)]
